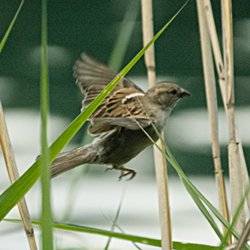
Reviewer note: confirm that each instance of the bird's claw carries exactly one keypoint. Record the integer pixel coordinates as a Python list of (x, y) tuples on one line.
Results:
[(124, 172)]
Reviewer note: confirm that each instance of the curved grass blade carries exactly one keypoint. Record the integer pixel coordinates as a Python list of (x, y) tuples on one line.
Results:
[(7, 33), (10, 197), (196, 195), (190, 188), (128, 237), (195, 190), (204, 211)]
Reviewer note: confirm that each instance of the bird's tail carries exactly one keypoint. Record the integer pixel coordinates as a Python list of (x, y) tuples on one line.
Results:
[(71, 159)]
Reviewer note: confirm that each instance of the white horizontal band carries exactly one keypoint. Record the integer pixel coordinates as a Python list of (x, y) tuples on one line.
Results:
[(127, 97)]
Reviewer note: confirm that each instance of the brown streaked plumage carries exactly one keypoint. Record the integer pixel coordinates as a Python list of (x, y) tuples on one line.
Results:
[(118, 120)]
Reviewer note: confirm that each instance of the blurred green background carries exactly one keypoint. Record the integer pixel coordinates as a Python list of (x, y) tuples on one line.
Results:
[(93, 26)]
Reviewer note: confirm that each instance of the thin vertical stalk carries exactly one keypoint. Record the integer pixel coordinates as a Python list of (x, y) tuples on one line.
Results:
[(234, 156), (148, 33), (211, 97), (159, 159), (46, 221), (216, 48), (11, 166)]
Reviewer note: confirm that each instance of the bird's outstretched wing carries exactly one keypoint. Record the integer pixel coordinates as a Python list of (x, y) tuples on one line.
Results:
[(92, 77), (121, 108)]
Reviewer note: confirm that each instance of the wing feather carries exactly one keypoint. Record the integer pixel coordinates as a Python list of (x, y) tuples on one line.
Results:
[(88, 71), (121, 108)]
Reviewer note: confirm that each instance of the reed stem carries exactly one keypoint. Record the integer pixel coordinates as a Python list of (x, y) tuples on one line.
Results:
[(159, 159), (210, 87), (234, 155), (11, 166)]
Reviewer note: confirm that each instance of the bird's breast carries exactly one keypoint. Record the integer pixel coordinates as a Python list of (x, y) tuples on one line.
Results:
[(124, 145)]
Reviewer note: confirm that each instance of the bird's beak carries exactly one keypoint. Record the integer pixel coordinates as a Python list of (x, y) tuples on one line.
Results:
[(184, 93)]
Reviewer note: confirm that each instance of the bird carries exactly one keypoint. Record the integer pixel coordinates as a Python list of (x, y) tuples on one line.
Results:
[(120, 122)]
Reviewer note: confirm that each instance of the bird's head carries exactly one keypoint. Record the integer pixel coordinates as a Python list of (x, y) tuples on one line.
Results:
[(166, 94)]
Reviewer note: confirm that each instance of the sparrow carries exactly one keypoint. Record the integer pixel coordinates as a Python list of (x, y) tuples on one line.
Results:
[(119, 121)]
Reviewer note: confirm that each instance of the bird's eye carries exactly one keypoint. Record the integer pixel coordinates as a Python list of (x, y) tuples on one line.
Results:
[(174, 91)]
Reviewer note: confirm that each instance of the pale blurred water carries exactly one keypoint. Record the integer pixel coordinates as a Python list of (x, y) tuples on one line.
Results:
[(87, 199)]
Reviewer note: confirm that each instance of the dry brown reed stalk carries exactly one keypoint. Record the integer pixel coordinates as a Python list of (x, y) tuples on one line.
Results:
[(239, 181), (235, 157), (222, 82), (9, 158), (159, 159), (216, 48), (210, 87)]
